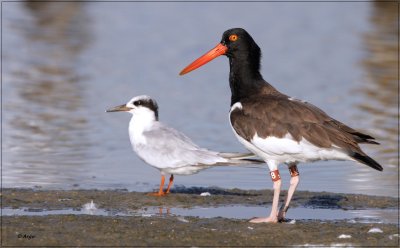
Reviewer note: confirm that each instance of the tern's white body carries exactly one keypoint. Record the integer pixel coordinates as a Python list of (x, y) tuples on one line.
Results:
[(167, 149)]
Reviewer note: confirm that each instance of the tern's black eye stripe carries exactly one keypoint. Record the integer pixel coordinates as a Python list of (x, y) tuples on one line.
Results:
[(147, 103)]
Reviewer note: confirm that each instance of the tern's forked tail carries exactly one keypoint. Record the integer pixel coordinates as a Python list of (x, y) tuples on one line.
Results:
[(240, 158)]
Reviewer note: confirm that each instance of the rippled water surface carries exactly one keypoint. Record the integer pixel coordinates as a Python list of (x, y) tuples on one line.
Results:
[(65, 63), (235, 212)]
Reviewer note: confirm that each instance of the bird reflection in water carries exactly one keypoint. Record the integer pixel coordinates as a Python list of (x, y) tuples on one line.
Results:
[(47, 79), (380, 91), (379, 95)]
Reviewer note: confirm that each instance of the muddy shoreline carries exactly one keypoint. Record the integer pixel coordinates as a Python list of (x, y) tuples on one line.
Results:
[(170, 230)]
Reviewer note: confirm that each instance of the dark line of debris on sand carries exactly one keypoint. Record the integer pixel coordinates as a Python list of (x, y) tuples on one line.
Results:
[(186, 197)]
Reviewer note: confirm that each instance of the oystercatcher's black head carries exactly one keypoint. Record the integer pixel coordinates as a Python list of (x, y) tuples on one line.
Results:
[(240, 43), (244, 60), (236, 44)]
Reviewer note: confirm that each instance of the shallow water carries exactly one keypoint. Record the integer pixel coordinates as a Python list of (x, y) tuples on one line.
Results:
[(232, 212), (65, 63)]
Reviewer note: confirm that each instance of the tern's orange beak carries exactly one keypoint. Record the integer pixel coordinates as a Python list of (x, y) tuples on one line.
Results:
[(207, 57)]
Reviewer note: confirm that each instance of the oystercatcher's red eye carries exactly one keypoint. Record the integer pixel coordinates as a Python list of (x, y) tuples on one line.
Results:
[(233, 37)]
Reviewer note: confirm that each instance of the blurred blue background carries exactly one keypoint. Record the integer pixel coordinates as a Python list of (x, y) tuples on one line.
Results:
[(64, 63)]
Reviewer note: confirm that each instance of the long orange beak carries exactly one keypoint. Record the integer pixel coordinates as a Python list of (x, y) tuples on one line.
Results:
[(207, 57)]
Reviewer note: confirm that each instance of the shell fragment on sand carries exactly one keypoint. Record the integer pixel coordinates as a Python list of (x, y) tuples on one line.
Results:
[(375, 230)]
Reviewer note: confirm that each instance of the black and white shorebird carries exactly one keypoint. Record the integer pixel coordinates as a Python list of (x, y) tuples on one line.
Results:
[(276, 127), (167, 149)]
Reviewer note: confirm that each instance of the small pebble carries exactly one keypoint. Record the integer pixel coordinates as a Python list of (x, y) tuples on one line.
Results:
[(64, 199), (249, 227), (182, 219), (344, 236), (375, 230), (90, 206), (205, 194)]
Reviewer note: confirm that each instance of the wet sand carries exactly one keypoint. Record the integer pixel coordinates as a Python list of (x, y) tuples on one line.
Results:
[(170, 230)]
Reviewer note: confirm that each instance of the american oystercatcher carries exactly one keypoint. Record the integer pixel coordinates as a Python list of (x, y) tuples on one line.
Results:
[(276, 127), (167, 149)]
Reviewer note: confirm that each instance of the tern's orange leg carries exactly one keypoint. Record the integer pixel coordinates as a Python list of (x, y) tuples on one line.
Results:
[(160, 191), (171, 180)]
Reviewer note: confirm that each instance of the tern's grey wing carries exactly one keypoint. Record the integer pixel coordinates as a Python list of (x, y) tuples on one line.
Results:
[(168, 148), (165, 133)]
